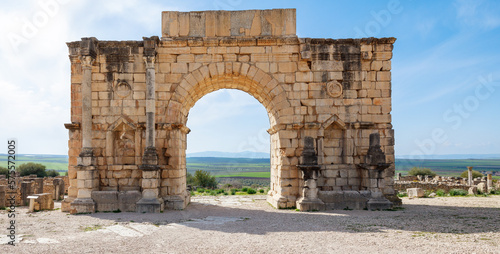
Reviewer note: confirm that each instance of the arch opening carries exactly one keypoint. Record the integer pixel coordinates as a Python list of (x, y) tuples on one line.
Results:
[(253, 81), (229, 126)]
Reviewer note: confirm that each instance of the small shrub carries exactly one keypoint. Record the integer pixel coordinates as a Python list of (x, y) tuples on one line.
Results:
[(32, 168), (244, 189), (440, 193), (261, 191), (251, 191), (3, 171), (415, 171), (190, 179), (200, 190), (52, 173), (427, 193), (204, 179), (458, 192), (475, 174), (233, 191)]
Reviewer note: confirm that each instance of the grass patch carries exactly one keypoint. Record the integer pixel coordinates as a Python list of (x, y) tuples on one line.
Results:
[(440, 193), (458, 192), (92, 228), (402, 194)]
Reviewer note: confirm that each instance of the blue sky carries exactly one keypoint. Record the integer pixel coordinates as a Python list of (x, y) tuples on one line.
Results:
[(445, 69)]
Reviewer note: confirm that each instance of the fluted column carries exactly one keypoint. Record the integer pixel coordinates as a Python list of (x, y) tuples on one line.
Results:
[(150, 183), (86, 90), (150, 155)]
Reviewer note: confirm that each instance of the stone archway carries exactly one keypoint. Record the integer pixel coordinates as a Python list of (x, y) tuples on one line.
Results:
[(252, 80), (328, 101)]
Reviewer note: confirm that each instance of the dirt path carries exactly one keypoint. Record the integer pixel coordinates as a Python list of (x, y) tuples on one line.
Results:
[(248, 224)]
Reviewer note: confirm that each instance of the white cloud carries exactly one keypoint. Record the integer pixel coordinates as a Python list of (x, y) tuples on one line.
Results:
[(480, 14)]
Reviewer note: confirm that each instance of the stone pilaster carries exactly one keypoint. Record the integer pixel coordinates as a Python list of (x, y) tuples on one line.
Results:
[(309, 200), (87, 175), (86, 153), (150, 156), (150, 201)]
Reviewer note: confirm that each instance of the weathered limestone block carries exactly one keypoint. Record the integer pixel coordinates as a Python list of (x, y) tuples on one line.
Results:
[(3, 198), (127, 200), (277, 22), (472, 190), (481, 187), (105, 201), (415, 192), (337, 200), (25, 191), (43, 201)]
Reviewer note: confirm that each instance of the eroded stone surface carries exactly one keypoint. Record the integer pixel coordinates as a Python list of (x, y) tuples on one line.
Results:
[(338, 92)]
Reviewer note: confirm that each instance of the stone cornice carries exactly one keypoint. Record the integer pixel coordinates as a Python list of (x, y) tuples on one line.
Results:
[(72, 126)]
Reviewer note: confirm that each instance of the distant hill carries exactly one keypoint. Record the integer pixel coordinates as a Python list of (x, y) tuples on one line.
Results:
[(216, 154), (451, 156)]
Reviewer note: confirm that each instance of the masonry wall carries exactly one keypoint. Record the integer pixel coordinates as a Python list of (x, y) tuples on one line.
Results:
[(336, 91)]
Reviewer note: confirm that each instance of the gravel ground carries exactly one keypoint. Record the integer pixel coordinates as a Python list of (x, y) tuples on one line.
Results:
[(248, 224)]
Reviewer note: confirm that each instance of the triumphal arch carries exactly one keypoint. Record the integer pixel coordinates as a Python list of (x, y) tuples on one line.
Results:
[(328, 102)]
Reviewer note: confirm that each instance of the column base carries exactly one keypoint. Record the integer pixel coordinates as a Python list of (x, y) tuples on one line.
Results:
[(82, 205), (378, 201), (379, 204), (150, 156), (304, 204), (396, 201), (280, 202), (86, 157), (149, 205), (176, 202), (66, 204)]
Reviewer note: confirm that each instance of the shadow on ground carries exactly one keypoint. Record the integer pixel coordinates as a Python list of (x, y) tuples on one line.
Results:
[(262, 219)]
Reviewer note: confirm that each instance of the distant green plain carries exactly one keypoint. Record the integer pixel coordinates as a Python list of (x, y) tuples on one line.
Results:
[(260, 168), (56, 162)]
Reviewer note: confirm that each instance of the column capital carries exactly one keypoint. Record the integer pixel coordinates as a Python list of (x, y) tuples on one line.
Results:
[(149, 61), (87, 61)]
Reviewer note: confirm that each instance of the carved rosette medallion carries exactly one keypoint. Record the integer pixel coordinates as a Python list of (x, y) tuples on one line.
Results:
[(122, 89), (334, 89)]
